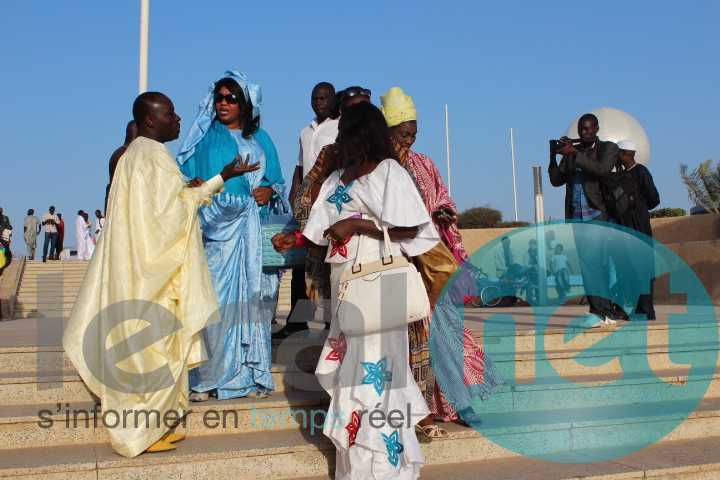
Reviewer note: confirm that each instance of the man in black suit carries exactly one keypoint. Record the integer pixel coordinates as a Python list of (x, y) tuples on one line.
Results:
[(583, 166)]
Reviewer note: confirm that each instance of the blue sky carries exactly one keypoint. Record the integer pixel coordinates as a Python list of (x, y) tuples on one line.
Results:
[(69, 75)]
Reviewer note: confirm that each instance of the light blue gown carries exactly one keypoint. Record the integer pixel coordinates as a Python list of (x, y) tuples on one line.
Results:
[(238, 339)]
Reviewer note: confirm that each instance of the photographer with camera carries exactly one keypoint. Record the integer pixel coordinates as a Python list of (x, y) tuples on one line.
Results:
[(585, 162)]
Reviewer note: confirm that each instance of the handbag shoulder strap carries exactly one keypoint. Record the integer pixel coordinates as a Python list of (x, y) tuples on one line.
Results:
[(386, 244)]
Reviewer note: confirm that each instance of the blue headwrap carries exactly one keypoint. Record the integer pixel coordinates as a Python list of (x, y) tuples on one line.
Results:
[(206, 114)]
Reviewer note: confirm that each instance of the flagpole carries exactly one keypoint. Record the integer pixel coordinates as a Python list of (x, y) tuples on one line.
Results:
[(447, 149), (512, 156), (144, 42)]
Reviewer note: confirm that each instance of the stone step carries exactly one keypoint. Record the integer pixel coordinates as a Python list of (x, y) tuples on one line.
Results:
[(51, 387), (294, 455), (60, 272), (29, 270), (35, 313), (51, 284), (57, 264), (523, 367), (679, 460), (52, 358), (33, 277), (49, 289), (25, 362), (30, 297), (509, 410), (46, 304), (34, 293), (610, 362), (590, 352), (624, 334), (54, 424)]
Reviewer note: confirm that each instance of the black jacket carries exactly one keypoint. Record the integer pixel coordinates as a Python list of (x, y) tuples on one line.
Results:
[(595, 163), (645, 198)]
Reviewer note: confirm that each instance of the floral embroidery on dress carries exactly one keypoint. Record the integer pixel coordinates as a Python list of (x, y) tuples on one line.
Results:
[(394, 447), (339, 347), (340, 247), (340, 197), (377, 375), (353, 427)]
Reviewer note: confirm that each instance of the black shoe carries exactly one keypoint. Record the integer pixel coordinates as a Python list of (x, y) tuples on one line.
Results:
[(617, 313), (288, 330)]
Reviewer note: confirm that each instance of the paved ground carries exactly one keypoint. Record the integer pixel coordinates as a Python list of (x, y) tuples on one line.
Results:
[(47, 332), (526, 318)]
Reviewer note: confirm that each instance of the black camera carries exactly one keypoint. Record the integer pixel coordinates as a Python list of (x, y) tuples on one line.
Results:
[(557, 145)]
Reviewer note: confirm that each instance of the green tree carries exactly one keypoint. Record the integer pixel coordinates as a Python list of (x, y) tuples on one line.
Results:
[(668, 212), (703, 185), (479, 217)]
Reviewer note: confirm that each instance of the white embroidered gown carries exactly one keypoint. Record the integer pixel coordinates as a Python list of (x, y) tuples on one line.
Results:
[(375, 402)]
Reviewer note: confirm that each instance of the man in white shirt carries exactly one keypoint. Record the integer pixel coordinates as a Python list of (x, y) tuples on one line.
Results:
[(49, 223), (322, 131)]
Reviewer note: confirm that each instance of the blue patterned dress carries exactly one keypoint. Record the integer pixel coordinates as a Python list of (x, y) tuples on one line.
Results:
[(238, 338)]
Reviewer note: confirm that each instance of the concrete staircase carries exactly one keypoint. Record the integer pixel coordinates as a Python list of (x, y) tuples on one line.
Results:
[(276, 437), (50, 289)]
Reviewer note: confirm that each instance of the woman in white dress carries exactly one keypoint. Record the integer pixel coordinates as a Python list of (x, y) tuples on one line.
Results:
[(83, 237), (90, 237), (375, 402), (80, 233)]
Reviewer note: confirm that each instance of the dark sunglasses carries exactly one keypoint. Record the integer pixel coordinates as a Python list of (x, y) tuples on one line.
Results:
[(354, 92), (230, 99)]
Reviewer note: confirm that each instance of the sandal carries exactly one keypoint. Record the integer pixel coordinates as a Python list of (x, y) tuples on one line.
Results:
[(160, 446), (428, 433), (261, 394), (199, 396)]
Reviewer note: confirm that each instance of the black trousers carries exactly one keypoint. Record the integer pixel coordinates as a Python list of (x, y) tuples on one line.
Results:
[(634, 261), (298, 291), (592, 252)]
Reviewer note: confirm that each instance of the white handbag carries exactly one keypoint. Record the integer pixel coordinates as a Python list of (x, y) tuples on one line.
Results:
[(370, 295)]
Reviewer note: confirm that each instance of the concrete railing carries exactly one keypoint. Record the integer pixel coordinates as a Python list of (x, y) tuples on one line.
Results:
[(695, 238), (9, 287)]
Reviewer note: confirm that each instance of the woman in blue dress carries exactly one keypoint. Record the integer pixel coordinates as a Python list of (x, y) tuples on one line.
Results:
[(238, 338)]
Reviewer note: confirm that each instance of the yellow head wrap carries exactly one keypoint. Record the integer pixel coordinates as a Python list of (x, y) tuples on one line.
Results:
[(397, 107)]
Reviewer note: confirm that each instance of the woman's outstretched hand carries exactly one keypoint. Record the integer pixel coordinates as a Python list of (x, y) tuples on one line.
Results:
[(238, 167)]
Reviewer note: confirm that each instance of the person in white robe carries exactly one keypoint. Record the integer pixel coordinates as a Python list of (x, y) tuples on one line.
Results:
[(134, 330), (82, 237), (366, 373)]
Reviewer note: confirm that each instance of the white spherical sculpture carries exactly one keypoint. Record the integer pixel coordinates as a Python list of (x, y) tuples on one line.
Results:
[(616, 125)]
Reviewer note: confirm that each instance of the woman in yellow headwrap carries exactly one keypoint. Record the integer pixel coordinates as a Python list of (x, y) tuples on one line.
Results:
[(437, 266)]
